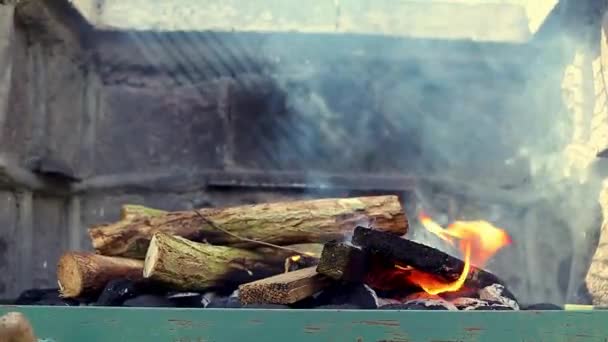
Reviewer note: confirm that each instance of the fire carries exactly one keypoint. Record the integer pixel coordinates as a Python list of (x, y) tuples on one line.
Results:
[(478, 242)]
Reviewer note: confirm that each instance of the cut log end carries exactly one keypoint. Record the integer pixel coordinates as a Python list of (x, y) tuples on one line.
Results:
[(151, 258), (286, 288), (81, 274), (69, 276)]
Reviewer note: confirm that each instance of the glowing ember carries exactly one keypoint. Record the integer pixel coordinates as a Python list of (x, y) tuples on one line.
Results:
[(478, 241)]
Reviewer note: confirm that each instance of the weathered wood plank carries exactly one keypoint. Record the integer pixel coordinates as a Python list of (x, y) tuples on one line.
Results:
[(109, 324)]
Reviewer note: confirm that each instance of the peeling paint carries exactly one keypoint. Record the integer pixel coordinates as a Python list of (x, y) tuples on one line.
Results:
[(384, 323)]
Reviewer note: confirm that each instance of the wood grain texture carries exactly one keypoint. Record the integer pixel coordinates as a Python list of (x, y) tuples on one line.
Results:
[(145, 324), (286, 288), (344, 261), (186, 265), (81, 274), (284, 223)]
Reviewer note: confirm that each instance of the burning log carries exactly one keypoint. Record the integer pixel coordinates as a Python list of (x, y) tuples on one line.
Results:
[(80, 274), (187, 265), (312, 221), (286, 288), (343, 261), (421, 258)]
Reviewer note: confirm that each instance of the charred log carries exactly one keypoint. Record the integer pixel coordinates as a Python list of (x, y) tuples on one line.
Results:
[(422, 258)]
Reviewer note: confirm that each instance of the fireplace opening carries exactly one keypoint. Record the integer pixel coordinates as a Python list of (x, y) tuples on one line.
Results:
[(411, 155)]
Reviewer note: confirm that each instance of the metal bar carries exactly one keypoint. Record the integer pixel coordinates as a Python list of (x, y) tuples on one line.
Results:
[(60, 324)]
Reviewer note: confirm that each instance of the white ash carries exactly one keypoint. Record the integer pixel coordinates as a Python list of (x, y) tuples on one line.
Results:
[(208, 298), (432, 303), (465, 304), (387, 301), (495, 293)]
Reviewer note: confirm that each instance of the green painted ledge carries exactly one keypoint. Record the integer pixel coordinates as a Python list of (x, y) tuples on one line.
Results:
[(62, 324)]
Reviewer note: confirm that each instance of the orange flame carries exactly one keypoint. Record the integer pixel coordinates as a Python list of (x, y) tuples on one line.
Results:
[(479, 241)]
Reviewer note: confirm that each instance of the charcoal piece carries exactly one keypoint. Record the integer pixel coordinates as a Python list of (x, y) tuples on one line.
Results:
[(421, 296), (266, 306), (494, 306), (421, 257), (465, 303), (430, 304), (186, 299), (306, 303), (339, 307), (541, 307), (148, 301), (116, 292), (30, 297), (359, 295), (343, 261), (208, 298), (48, 297), (498, 293), (225, 303), (299, 262), (473, 304)]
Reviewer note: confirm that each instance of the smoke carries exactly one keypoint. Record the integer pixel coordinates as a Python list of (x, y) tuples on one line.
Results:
[(484, 126)]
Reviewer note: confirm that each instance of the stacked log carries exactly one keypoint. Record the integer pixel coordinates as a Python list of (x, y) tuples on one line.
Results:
[(209, 248)]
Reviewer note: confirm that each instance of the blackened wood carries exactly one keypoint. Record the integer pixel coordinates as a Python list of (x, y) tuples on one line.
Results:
[(343, 261), (421, 257), (286, 288)]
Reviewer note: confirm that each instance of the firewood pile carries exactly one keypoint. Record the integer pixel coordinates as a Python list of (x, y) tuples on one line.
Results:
[(326, 253)]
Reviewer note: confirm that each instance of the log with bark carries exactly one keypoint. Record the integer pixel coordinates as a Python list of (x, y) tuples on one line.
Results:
[(284, 223), (187, 265), (286, 288), (82, 274)]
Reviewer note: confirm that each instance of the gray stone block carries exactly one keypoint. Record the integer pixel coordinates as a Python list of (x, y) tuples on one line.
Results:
[(159, 128), (9, 245)]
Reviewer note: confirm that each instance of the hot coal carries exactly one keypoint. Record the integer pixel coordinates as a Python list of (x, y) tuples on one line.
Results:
[(422, 258), (359, 296), (422, 304), (48, 297)]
